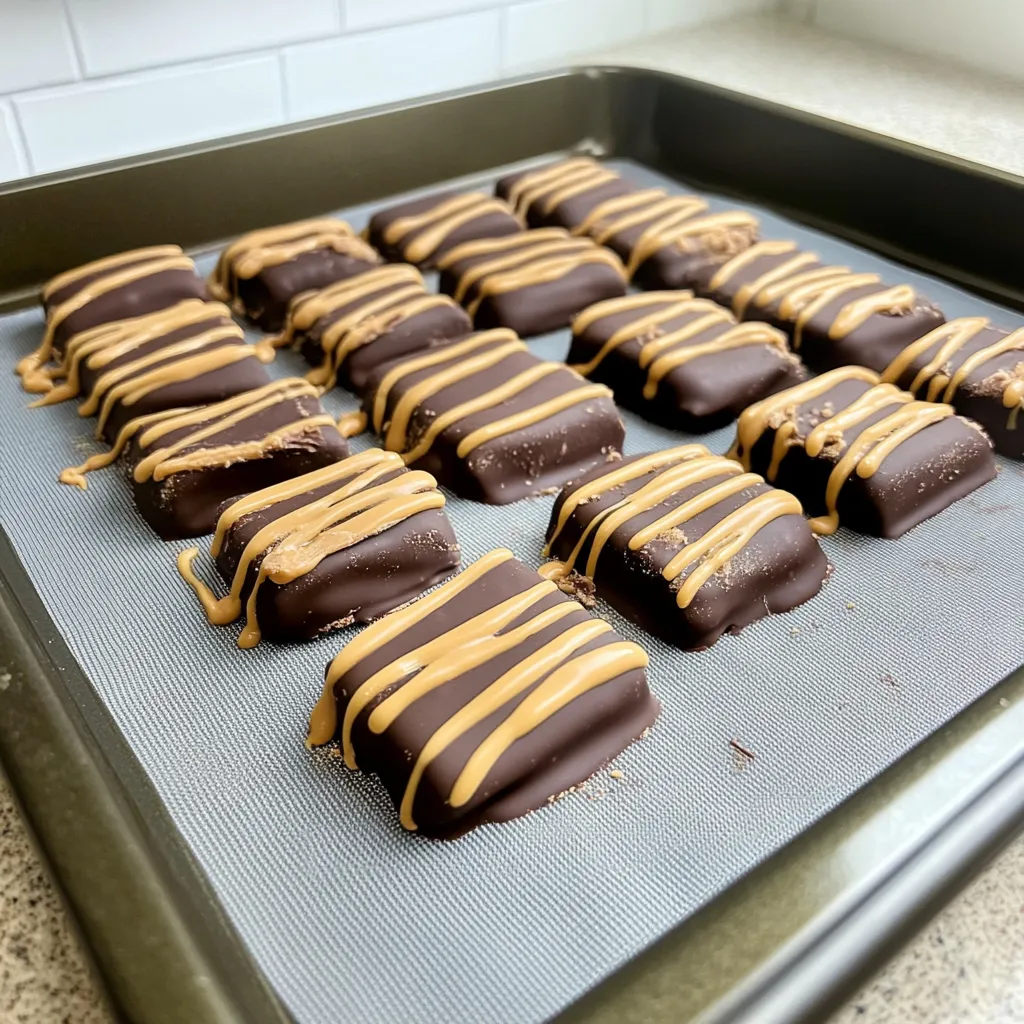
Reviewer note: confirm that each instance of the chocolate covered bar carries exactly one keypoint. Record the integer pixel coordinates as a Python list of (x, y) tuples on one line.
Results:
[(668, 241), (974, 366), (833, 315), (562, 194), (484, 700), (261, 272), (490, 420), (533, 282), (129, 284), (184, 464), (343, 544), (423, 230), (684, 543), (862, 453), (679, 361), (190, 354), (350, 328)]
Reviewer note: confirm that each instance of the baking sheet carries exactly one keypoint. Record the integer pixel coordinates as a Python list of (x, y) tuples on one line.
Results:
[(350, 917)]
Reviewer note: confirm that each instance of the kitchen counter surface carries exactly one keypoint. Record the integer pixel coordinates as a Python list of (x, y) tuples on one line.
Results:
[(968, 964)]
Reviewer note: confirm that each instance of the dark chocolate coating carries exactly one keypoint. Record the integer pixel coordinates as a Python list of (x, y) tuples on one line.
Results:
[(874, 344), (980, 396), (563, 751), (202, 389), (515, 465), (187, 504), (537, 308), (781, 567), (356, 584), (701, 395), (407, 337), (681, 264), (145, 295), (489, 224), (265, 297), (569, 213), (922, 476)]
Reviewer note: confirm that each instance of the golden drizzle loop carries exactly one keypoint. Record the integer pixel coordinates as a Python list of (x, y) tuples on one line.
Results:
[(536, 186)]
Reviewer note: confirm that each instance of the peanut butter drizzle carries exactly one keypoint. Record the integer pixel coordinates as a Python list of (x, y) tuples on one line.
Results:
[(621, 473), (396, 435), (34, 380), (308, 307), (864, 454), (100, 346), (437, 224), (681, 224), (252, 253), (323, 722), (151, 252), (576, 175), (950, 338), (295, 544), (595, 221), (666, 209), (662, 353), (711, 552), (351, 423)]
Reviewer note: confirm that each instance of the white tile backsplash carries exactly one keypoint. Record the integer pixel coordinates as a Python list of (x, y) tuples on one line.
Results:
[(83, 124), (392, 64), (35, 45), (125, 35), (665, 14), (12, 159), (363, 14), (547, 31)]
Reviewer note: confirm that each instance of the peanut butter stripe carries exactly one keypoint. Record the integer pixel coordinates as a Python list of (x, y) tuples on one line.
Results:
[(661, 353), (551, 186), (803, 288), (613, 215), (938, 374), (430, 229), (551, 677), (864, 451), (521, 261), (464, 359), (114, 275), (366, 322), (249, 255), (99, 346), (672, 471), (358, 507), (206, 421)]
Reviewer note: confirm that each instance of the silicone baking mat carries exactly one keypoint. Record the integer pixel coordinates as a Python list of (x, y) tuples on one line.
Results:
[(350, 917)]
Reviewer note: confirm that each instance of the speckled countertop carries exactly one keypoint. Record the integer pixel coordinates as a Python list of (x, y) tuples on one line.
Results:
[(968, 964)]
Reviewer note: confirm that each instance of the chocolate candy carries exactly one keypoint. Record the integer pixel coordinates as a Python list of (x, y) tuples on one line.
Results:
[(490, 420), (261, 272), (562, 194), (679, 361), (684, 543), (128, 284), (833, 315), (189, 354), (350, 328), (668, 241), (345, 543), (485, 699), (977, 368), (862, 453), (422, 230), (185, 463), (533, 282)]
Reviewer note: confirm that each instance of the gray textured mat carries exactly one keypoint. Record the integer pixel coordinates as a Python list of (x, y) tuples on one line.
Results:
[(352, 919)]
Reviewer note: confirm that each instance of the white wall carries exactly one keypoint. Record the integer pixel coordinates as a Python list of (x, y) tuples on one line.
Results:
[(83, 81), (986, 34)]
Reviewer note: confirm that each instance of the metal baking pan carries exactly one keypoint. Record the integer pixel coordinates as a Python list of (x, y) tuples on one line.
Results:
[(786, 941)]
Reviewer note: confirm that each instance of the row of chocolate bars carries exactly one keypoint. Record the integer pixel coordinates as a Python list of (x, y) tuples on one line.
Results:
[(501, 684)]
